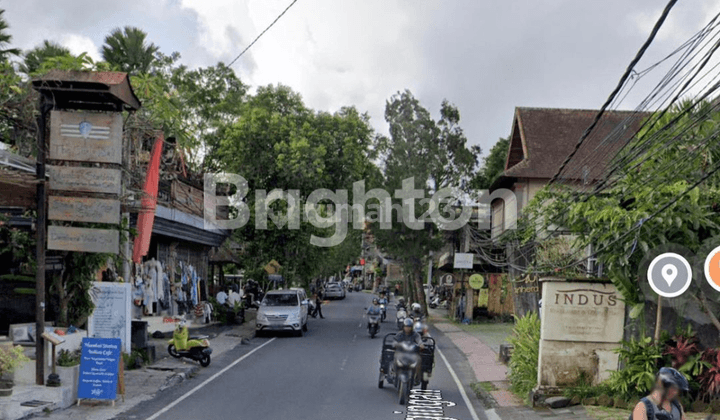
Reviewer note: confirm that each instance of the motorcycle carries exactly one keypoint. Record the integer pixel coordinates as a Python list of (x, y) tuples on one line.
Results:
[(399, 366), (195, 348), (383, 312), (434, 301), (373, 324), (358, 288)]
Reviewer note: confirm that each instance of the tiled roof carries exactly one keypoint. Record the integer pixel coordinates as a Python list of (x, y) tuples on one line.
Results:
[(542, 138)]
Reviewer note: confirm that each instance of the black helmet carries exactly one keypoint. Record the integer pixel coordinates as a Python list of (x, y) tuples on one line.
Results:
[(408, 322), (671, 377), (375, 301)]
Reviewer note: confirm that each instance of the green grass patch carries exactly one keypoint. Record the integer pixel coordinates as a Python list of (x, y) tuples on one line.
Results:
[(24, 291)]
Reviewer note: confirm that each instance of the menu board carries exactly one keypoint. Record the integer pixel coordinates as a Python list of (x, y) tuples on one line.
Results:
[(99, 362), (111, 316)]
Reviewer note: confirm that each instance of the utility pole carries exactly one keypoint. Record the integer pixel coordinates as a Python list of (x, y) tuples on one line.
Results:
[(41, 230)]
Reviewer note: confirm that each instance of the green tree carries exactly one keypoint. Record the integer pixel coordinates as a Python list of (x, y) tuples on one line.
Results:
[(279, 143), (5, 38), (436, 156), (493, 165), (658, 167), (127, 50), (34, 59)]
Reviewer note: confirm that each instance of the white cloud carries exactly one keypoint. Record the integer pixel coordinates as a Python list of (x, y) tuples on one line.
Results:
[(78, 44)]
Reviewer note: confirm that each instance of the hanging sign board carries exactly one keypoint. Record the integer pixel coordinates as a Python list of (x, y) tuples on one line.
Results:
[(96, 180), (91, 210), (477, 281), (99, 362), (86, 137), (63, 238), (111, 316), (463, 260)]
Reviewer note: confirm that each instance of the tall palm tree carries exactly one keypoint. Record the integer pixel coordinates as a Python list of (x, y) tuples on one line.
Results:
[(5, 38), (127, 50), (35, 58)]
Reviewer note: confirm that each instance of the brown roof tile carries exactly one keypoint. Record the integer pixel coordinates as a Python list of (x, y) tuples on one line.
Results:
[(542, 138)]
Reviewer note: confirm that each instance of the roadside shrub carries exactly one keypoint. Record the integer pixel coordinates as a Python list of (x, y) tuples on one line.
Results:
[(67, 358), (710, 379), (640, 361), (523, 365)]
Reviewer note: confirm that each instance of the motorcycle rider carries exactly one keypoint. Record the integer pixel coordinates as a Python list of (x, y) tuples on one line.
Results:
[(662, 403), (408, 335), (400, 304), (416, 311), (375, 308)]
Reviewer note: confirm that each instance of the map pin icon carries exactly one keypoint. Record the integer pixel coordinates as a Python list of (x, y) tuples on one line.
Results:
[(669, 273)]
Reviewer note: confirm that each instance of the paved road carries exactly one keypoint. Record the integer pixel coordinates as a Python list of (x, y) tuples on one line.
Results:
[(331, 373)]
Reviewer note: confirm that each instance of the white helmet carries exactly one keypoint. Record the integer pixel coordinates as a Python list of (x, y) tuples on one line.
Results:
[(416, 307)]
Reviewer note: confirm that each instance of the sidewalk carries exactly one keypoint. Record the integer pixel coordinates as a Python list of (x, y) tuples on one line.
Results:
[(481, 350), (140, 384)]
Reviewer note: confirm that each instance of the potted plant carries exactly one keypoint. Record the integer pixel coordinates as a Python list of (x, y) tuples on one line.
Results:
[(10, 358)]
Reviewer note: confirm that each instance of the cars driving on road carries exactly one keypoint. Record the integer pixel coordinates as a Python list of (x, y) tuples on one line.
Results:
[(334, 291), (283, 310)]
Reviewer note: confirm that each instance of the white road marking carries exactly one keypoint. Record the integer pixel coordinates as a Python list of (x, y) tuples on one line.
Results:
[(459, 385), (207, 381), (354, 337)]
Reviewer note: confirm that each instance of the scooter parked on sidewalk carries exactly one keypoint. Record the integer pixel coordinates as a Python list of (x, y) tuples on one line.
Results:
[(195, 348)]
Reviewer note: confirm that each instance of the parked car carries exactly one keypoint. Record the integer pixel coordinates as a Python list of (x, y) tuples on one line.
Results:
[(334, 291), (283, 310)]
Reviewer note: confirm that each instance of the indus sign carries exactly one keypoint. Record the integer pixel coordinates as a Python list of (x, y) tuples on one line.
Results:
[(584, 297)]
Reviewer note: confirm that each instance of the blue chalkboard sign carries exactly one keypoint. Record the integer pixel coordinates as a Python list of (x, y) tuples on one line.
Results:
[(99, 368)]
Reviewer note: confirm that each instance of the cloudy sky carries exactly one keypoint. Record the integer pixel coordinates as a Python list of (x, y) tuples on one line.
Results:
[(485, 56)]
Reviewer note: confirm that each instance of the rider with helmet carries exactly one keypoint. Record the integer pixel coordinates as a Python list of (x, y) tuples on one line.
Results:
[(407, 334), (662, 403), (375, 308), (416, 311)]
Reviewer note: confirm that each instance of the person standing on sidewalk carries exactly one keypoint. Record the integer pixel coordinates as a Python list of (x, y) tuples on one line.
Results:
[(662, 403)]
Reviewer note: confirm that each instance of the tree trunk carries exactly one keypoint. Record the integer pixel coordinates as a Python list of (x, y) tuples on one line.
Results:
[(417, 282), (422, 300)]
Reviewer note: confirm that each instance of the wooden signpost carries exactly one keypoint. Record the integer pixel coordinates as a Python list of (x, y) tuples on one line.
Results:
[(92, 180), (83, 239), (92, 210), (86, 137)]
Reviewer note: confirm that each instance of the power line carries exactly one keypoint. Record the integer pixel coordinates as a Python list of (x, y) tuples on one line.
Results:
[(263, 32), (617, 89)]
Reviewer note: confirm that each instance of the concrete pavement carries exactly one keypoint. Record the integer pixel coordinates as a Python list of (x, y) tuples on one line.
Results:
[(486, 367), (146, 383)]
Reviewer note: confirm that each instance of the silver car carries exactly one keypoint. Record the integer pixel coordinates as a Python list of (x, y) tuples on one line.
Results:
[(334, 291), (283, 310)]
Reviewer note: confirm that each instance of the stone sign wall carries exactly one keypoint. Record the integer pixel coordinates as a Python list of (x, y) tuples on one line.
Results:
[(581, 323)]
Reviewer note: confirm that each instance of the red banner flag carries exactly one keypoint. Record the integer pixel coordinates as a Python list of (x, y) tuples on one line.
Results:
[(148, 202)]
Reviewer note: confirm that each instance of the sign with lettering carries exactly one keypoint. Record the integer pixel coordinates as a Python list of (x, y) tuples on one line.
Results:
[(97, 180), (91, 210), (581, 311), (86, 137), (99, 361), (63, 238), (111, 316), (463, 260), (476, 281)]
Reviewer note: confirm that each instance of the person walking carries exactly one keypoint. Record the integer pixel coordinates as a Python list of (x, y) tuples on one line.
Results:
[(318, 303), (662, 403)]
